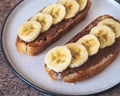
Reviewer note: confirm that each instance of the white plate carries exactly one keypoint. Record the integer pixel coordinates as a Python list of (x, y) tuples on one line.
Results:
[(31, 69)]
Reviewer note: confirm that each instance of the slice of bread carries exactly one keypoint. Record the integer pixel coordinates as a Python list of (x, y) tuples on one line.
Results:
[(51, 35), (95, 64)]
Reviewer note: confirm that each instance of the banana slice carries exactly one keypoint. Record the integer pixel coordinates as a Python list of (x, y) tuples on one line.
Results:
[(29, 31), (79, 54), (82, 4), (104, 34), (57, 11), (44, 19), (58, 58), (114, 25), (72, 7), (91, 43)]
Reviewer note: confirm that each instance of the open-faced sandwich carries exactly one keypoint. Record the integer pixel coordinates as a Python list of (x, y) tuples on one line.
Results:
[(86, 54), (49, 24)]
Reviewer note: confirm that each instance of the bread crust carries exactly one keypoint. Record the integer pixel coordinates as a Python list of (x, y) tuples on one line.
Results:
[(51, 35), (95, 64)]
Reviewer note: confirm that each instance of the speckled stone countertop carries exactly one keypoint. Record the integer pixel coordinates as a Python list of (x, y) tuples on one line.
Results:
[(10, 85)]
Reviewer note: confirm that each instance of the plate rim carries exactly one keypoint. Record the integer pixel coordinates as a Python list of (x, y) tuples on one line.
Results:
[(28, 82)]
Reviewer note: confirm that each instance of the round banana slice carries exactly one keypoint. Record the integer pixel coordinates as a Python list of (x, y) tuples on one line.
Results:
[(44, 19), (79, 54), (82, 4), (72, 7), (114, 25), (104, 34), (58, 58), (91, 43), (29, 31), (57, 11)]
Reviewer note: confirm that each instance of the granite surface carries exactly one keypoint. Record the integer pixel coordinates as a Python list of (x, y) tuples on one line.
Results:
[(10, 85)]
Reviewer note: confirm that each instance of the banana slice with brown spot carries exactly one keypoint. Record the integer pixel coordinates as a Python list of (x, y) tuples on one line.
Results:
[(104, 34), (57, 11), (91, 43), (44, 19), (82, 4), (58, 58), (79, 54), (72, 7), (114, 25), (29, 31)]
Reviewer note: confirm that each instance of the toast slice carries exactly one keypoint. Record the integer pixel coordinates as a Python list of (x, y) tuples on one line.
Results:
[(94, 65), (51, 35)]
